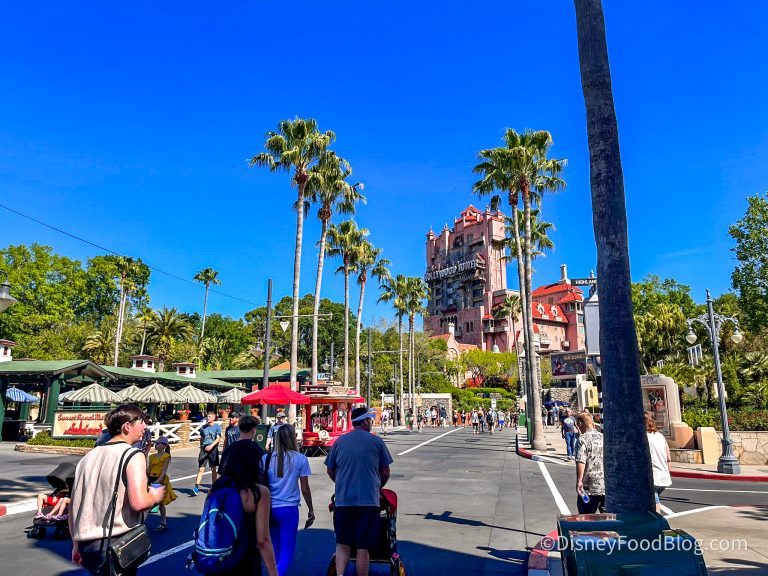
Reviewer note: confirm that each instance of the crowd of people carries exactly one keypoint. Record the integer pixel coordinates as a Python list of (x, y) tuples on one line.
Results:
[(118, 482)]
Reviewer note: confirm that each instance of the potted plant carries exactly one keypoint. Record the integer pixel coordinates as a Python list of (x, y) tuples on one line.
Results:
[(224, 412), (184, 414)]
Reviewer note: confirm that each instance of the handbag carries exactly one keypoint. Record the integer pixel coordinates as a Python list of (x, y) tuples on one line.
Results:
[(134, 547)]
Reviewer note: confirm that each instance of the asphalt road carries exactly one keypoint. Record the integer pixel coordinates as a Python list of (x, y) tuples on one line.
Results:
[(467, 504)]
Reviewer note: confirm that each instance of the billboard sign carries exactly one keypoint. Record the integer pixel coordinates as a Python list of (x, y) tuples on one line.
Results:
[(655, 403), (78, 424), (568, 365)]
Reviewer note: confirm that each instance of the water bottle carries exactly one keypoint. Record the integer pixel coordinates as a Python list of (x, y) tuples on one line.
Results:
[(584, 496)]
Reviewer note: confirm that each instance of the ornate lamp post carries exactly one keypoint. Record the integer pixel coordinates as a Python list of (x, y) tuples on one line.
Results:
[(728, 463), (6, 300)]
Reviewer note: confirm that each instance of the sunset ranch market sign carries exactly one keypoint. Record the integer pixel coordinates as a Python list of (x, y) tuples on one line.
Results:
[(78, 424), (451, 270)]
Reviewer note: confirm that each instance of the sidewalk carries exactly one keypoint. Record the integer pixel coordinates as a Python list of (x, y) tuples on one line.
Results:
[(556, 450)]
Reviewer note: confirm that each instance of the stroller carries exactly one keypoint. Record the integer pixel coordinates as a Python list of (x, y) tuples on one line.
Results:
[(384, 558), (61, 479)]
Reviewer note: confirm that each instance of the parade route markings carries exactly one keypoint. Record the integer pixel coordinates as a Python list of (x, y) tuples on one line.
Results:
[(428, 441)]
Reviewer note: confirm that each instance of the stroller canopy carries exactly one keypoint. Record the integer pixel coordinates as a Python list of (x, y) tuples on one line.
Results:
[(63, 476)]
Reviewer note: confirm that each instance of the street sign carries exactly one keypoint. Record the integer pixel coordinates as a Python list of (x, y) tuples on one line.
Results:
[(284, 324), (493, 403), (583, 281)]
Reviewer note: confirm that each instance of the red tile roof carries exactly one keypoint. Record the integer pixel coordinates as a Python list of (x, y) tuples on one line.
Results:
[(537, 315), (440, 336), (465, 347)]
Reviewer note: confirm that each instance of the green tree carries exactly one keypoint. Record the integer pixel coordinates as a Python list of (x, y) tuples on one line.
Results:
[(133, 274), (331, 190), (652, 291), (750, 277), (628, 478), (100, 344), (490, 369), (415, 294), (343, 243), (206, 276), (395, 290), (167, 331), (367, 261), (295, 148)]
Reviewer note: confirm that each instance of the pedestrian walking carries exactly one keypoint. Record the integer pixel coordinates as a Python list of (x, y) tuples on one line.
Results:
[(232, 433), (568, 431), (157, 473), (490, 420), (241, 468), (287, 471), (420, 421), (210, 437), (502, 418), (104, 508), (443, 417), (359, 466), (590, 473), (384, 421), (280, 419), (660, 459)]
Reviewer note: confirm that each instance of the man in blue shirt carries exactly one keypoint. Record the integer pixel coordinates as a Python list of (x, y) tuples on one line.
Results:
[(280, 420), (359, 466), (210, 437)]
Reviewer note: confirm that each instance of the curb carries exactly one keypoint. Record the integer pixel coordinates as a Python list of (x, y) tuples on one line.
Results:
[(522, 452), (538, 561), (716, 476), (19, 507)]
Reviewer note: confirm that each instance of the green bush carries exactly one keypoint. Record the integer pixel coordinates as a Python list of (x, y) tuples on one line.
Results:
[(738, 420), (698, 417), (44, 439)]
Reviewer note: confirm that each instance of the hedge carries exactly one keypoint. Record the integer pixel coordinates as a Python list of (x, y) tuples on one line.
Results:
[(44, 439), (738, 420)]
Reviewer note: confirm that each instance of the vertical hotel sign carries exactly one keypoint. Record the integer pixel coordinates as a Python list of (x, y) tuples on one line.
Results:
[(78, 424)]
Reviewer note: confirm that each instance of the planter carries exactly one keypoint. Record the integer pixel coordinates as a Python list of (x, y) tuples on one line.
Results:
[(183, 415), (224, 414)]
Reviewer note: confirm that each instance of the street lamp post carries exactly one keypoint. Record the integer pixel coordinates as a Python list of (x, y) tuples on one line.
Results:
[(728, 462), (369, 372)]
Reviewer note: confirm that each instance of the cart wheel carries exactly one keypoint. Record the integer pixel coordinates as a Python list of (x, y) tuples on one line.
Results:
[(36, 532)]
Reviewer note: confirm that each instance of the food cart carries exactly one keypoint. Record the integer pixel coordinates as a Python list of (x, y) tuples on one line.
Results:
[(328, 416)]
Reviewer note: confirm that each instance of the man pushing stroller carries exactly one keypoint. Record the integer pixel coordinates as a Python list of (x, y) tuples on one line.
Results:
[(359, 466)]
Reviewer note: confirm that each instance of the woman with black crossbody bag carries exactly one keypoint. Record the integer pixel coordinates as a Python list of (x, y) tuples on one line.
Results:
[(108, 498)]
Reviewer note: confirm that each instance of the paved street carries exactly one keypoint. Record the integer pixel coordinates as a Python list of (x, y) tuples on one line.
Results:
[(467, 504)]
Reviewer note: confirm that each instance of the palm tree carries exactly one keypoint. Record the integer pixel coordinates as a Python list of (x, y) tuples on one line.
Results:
[(343, 242), (207, 276), (415, 294), (296, 147), (166, 330), (127, 268), (145, 316), (98, 346), (367, 261), (395, 290), (628, 481), (334, 194), (509, 309)]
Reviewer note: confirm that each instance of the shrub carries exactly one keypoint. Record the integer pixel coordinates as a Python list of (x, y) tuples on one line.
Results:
[(44, 439), (738, 420)]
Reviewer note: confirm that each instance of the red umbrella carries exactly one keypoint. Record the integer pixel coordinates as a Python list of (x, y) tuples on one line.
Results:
[(275, 394)]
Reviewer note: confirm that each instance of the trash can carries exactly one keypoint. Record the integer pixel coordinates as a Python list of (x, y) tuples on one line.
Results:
[(261, 435)]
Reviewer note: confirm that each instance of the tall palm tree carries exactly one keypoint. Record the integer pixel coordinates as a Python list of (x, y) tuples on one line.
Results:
[(343, 242), (395, 290), (127, 269), (509, 310), (166, 330), (334, 194), (145, 316), (295, 147), (628, 480), (206, 276), (367, 262), (415, 294), (98, 346)]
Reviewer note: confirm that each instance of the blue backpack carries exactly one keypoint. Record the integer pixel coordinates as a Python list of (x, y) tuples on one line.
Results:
[(219, 539)]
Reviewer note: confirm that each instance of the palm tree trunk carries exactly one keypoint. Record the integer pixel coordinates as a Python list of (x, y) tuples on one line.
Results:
[(316, 308), (411, 361), (346, 323), (205, 311), (627, 460), (143, 340), (400, 331), (357, 337), (119, 320), (537, 429), (295, 303), (525, 307)]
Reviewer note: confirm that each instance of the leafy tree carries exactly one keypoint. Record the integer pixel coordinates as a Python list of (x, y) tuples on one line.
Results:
[(416, 293), (206, 276), (750, 277), (330, 189), (343, 242), (295, 147), (395, 290), (660, 332), (490, 369), (166, 332), (99, 345), (652, 291), (628, 479)]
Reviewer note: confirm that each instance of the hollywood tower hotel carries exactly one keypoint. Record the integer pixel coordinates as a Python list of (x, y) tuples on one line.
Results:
[(467, 279)]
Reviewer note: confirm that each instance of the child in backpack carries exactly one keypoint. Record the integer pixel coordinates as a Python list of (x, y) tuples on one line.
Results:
[(157, 473)]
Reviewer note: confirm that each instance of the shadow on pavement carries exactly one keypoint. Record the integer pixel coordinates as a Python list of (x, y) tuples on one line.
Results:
[(448, 516)]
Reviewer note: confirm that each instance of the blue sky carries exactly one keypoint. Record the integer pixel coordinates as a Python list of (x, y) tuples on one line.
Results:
[(131, 125)]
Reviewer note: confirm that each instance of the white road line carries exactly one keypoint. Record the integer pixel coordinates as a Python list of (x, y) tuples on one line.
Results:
[(188, 477), (561, 505), (695, 511), (713, 490), (552, 460), (169, 552), (430, 440), (667, 511)]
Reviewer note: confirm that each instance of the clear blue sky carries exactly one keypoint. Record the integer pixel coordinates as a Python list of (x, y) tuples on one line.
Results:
[(131, 125)]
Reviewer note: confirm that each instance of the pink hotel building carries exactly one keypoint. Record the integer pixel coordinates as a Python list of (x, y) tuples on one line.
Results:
[(467, 280)]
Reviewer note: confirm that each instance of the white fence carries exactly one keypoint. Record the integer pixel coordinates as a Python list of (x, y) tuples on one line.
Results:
[(167, 430)]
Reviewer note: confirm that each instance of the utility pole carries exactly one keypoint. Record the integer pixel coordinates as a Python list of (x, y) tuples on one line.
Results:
[(368, 397), (332, 362)]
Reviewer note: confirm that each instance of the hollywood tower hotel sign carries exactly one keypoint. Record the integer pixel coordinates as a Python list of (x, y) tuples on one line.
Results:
[(467, 278)]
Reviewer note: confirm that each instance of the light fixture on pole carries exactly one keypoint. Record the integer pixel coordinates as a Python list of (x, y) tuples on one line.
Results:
[(6, 300), (728, 463)]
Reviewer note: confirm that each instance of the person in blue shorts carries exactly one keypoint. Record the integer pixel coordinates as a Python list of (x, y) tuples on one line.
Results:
[(210, 437)]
